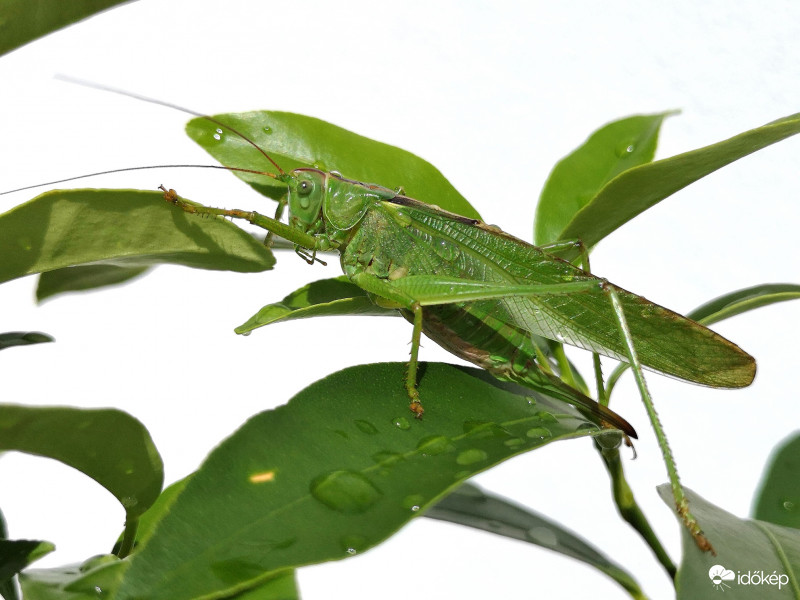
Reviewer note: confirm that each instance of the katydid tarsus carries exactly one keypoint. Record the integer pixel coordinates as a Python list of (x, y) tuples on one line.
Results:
[(484, 295)]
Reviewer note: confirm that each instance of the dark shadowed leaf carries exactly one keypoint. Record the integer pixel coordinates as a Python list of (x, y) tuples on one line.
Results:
[(469, 505), (323, 298), (108, 445), (63, 228), (298, 141), (578, 177), (744, 548), (22, 21), (82, 278), (23, 338), (364, 467), (778, 497)]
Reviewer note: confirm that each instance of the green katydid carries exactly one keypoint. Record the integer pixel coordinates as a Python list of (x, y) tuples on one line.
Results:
[(484, 295)]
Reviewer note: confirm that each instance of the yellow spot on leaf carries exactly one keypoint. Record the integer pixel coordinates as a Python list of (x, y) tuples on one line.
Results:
[(262, 477)]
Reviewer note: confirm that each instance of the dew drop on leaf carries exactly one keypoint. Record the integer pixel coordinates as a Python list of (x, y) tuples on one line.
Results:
[(348, 492)]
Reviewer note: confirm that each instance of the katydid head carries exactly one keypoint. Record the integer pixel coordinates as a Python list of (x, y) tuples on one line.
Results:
[(306, 193)]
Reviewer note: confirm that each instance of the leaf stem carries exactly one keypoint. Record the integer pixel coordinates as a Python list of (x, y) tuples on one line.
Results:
[(128, 536), (629, 509)]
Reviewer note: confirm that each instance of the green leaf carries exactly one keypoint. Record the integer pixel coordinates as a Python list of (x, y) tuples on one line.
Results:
[(108, 445), (63, 228), (735, 303), (23, 338), (362, 468), (637, 189), (323, 298), (743, 547), (578, 177), (778, 498), (82, 278), (22, 21), (96, 578), (471, 506), (15, 555), (298, 141)]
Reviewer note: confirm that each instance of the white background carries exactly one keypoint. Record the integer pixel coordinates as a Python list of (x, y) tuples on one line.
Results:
[(491, 93)]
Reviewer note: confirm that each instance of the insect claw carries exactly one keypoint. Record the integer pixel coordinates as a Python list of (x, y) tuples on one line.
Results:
[(416, 408)]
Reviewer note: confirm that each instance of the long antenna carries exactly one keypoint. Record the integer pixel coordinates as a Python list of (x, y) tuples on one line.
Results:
[(30, 187), (105, 88)]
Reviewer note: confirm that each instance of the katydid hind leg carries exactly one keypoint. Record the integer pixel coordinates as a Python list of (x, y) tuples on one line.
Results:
[(681, 502)]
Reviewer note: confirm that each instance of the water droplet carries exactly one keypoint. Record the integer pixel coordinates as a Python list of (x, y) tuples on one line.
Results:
[(387, 458), (560, 337), (471, 456), (401, 423), (413, 502), (267, 129), (366, 427), (400, 190), (353, 544), (609, 440), (246, 333), (788, 505), (219, 130), (217, 136), (345, 491), (542, 536), (129, 501), (335, 173), (514, 442), (435, 444), (446, 249), (625, 149), (538, 433), (531, 401), (545, 417)]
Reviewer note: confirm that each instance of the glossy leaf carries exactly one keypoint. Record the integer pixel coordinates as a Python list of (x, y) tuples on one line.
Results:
[(735, 303), (743, 547), (637, 189), (108, 445), (471, 506), (22, 21), (363, 468), (23, 338), (778, 497), (96, 578), (63, 228), (298, 141), (323, 298), (578, 177), (82, 278)]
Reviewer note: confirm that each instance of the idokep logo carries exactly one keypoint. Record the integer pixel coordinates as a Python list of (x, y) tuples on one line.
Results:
[(719, 575)]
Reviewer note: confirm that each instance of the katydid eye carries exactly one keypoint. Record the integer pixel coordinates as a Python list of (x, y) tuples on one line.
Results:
[(305, 187)]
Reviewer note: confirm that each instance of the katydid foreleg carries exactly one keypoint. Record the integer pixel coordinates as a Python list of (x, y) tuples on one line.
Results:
[(292, 234)]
